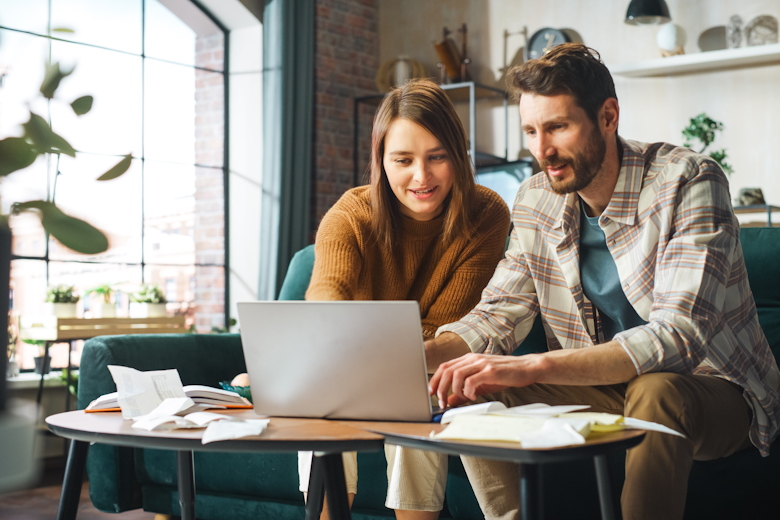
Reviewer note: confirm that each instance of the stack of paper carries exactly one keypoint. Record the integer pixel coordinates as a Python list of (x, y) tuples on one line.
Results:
[(536, 425)]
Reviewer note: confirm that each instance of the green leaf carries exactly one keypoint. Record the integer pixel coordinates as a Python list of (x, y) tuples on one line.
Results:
[(71, 232), (15, 154), (44, 140), (82, 105), (51, 79), (120, 168)]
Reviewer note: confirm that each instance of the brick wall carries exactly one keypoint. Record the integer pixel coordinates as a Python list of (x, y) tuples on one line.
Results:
[(209, 286), (346, 60)]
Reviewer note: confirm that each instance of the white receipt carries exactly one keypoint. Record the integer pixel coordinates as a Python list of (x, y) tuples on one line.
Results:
[(226, 430)]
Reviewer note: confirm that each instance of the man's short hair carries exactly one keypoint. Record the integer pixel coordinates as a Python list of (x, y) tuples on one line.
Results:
[(569, 68)]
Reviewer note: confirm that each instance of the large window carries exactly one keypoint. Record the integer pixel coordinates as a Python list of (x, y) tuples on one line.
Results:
[(156, 71)]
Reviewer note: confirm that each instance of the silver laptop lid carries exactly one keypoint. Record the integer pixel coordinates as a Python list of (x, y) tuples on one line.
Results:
[(339, 360)]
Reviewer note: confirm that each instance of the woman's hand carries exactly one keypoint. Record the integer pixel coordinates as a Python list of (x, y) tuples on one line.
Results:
[(240, 380)]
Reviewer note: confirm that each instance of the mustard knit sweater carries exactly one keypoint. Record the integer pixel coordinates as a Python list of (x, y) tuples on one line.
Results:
[(446, 281)]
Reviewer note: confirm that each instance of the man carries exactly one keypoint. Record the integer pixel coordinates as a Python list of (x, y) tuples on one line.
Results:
[(631, 254)]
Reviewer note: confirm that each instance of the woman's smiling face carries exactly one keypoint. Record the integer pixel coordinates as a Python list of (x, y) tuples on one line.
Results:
[(419, 169)]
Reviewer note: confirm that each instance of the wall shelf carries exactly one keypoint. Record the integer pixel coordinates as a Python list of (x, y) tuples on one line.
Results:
[(701, 62)]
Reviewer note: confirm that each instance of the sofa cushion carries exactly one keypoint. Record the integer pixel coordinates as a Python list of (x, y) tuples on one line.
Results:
[(761, 249)]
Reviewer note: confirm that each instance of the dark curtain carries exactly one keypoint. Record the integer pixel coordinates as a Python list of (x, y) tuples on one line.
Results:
[(288, 104)]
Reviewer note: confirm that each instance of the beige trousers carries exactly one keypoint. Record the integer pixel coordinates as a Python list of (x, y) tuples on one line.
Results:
[(711, 412), (416, 479)]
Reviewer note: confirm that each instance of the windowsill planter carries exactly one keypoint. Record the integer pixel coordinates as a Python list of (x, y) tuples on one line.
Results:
[(104, 310), (147, 310), (61, 310)]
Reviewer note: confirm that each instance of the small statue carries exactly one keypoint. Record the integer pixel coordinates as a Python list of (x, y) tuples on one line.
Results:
[(761, 30), (734, 32), (750, 197)]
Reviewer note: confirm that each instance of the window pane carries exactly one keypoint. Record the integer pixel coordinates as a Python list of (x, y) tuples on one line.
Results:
[(124, 279), (176, 28), (209, 216), (169, 123), (178, 285), (23, 61), (209, 298), (209, 118), (30, 15), (115, 24), (28, 287), (29, 238), (113, 126), (112, 206), (169, 201)]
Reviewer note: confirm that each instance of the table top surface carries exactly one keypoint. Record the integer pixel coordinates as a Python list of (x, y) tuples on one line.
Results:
[(417, 435), (285, 434), (282, 434)]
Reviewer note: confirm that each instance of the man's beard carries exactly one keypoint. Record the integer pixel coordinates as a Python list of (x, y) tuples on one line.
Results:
[(585, 165)]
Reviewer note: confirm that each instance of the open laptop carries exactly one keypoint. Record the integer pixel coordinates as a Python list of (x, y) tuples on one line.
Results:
[(337, 360)]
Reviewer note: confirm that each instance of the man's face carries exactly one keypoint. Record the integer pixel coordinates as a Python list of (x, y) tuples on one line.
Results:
[(567, 144)]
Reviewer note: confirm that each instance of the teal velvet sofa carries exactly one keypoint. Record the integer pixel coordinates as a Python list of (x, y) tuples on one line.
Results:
[(265, 486)]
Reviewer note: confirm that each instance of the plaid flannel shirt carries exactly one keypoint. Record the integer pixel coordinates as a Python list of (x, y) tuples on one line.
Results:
[(675, 240)]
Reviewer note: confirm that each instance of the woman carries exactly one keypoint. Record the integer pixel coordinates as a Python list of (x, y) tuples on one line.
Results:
[(422, 230)]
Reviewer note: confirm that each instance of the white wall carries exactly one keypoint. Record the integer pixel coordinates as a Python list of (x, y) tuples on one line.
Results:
[(747, 100)]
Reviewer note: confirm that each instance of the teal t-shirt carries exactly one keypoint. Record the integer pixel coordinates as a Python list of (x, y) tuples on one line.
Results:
[(600, 280)]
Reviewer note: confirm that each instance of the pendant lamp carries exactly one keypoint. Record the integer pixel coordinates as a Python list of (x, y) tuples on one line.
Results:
[(645, 12)]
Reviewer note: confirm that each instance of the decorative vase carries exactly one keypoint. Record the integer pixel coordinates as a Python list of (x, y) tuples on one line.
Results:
[(147, 310), (61, 310)]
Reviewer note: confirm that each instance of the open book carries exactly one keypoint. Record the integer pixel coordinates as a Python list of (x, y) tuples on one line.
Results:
[(138, 393), (200, 394)]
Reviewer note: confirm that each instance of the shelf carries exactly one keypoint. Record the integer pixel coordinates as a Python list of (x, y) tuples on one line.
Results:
[(50, 328), (758, 208), (701, 62)]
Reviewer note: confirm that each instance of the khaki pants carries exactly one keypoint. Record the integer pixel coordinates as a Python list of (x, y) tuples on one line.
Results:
[(711, 412)]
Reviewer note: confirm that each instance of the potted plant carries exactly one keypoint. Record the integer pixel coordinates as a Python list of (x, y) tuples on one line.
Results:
[(147, 302), (702, 128), (61, 301), (42, 360), (106, 307)]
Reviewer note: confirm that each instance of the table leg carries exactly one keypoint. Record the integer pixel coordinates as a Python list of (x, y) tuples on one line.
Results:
[(316, 494), (336, 486), (74, 477), (610, 508), (186, 484), (531, 503)]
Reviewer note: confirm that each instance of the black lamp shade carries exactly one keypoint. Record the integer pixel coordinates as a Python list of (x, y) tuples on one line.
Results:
[(643, 12)]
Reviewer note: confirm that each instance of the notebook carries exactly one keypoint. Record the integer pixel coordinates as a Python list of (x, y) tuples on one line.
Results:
[(337, 360)]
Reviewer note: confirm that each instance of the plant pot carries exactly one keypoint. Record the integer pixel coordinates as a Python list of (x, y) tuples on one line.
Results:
[(61, 310), (42, 364), (104, 310), (147, 310)]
